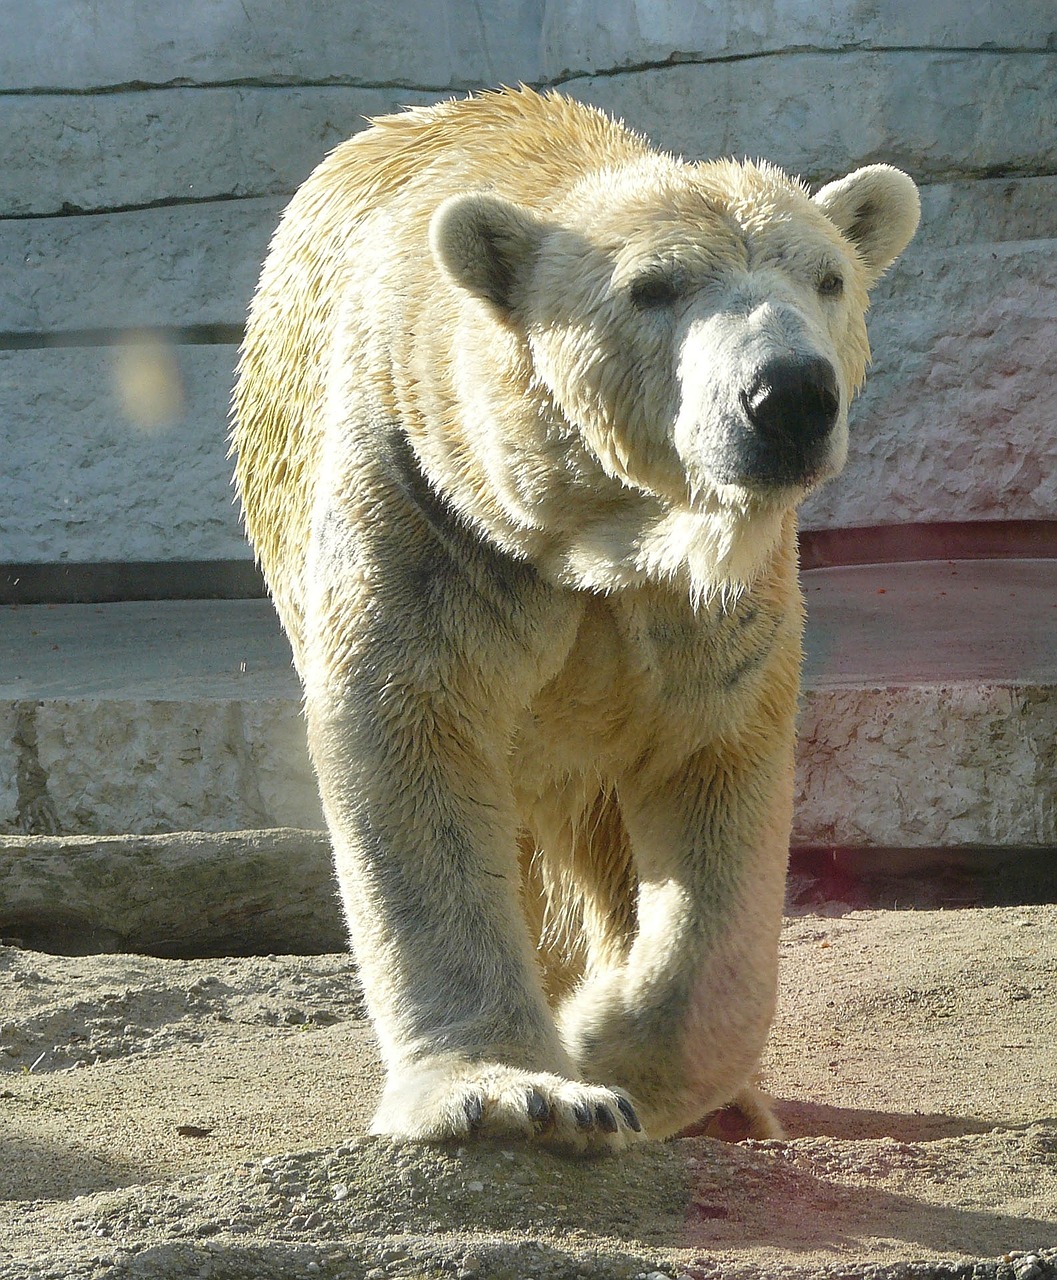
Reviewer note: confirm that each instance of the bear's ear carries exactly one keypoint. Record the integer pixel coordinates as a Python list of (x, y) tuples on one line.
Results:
[(877, 209), (484, 243)]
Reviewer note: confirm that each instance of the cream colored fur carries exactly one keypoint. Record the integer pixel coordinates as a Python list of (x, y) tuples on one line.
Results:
[(492, 452)]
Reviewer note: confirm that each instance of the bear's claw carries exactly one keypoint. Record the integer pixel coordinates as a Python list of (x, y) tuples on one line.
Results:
[(582, 1115), (474, 1108), (628, 1112), (538, 1106), (607, 1121)]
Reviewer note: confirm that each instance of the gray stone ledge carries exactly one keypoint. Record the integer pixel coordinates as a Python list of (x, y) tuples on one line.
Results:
[(92, 471), (174, 144), (915, 731), (91, 44), (114, 765), (584, 37), (459, 43), (185, 265), (915, 767), (986, 211)]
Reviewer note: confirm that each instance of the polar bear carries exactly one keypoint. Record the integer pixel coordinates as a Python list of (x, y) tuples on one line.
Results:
[(524, 411)]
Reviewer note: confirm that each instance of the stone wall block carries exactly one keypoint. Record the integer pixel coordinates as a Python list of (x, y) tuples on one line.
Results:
[(957, 420), (174, 144), (93, 44), (175, 765), (937, 115), (583, 36), (89, 474), (916, 768), (187, 265)]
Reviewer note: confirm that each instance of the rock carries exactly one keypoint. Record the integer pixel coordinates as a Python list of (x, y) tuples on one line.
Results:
[(221, 142), (184, 894), (192, 265), (151, 717), (927, 767), (249, 142)]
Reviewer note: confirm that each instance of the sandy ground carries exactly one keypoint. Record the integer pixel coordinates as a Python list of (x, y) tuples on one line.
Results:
[(166, 1118)]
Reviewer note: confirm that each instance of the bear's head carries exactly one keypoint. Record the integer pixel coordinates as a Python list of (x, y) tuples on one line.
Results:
[(700, 329)]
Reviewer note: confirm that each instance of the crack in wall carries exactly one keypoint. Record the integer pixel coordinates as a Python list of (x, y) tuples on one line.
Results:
[(565, 76)]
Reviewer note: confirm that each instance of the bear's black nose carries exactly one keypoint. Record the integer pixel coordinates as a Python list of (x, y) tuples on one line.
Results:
[(793, 402)]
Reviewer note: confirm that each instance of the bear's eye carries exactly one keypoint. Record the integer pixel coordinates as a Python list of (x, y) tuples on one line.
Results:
[(830, 284), (652, 291)]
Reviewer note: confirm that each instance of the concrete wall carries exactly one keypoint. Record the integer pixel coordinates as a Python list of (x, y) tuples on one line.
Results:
[(146, 151)]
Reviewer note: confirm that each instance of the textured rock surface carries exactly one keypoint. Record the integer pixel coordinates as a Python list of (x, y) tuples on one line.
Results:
[(175, 765), (928, 767), (246, 142), (188, 265), (115, 454), (152, 718), (201, 144), (930, 715), (175, 144)]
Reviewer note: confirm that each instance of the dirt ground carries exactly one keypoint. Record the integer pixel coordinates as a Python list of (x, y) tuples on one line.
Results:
[(204, 1118)]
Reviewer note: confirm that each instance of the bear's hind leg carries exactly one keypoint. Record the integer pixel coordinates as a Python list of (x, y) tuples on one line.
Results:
[(579, 885), (747, 1115)]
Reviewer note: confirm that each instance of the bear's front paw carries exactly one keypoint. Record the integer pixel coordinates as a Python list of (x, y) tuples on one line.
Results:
[(448, 1100)]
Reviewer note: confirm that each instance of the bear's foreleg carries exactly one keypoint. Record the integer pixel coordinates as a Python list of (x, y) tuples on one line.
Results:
[(682, 1021), (425, 852), (421, 650)]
